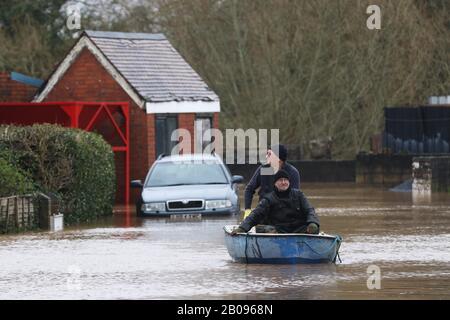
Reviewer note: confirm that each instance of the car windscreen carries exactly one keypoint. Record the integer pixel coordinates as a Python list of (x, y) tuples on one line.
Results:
[(186, 173)]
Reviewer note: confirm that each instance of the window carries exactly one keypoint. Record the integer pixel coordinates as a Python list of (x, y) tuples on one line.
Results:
[(165, 125), (186, 173)]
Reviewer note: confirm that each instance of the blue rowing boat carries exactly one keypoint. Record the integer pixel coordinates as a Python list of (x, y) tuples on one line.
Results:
[(282, 248)]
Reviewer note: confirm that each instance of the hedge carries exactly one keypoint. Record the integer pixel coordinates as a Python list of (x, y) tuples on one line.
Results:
[(75, 165), (13, 180)]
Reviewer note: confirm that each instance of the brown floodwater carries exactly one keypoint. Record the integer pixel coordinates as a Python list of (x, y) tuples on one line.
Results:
[(124, 257)]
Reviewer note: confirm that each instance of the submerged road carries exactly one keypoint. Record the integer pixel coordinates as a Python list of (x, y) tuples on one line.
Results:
[(123, 257)]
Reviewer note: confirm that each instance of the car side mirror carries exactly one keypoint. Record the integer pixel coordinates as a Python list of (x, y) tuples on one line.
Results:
[(136, 184), (237, 179)]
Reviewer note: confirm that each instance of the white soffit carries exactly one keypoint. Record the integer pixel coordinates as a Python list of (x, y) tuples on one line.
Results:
[(182, 107)]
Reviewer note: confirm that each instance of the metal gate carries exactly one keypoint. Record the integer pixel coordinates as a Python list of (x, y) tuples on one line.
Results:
[(109, 119)]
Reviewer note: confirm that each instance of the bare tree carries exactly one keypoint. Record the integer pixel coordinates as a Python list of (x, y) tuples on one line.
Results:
[(312, 68)]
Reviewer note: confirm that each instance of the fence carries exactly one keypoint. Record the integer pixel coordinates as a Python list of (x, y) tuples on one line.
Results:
[(27, 212), (310, 170), (417, 130), (295, 152), (18, 213)]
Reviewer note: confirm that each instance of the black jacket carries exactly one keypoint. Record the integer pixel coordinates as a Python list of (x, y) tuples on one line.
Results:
[(285, 214), (265, 182)]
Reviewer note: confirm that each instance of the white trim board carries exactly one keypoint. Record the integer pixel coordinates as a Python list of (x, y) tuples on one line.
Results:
[(182, 107), (85, 42)]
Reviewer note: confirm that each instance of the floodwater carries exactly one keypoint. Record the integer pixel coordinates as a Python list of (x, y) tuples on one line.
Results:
[(407, 240)]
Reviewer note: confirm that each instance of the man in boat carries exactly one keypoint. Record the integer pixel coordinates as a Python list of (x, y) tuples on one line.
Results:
[(276, 158), (285, 210)]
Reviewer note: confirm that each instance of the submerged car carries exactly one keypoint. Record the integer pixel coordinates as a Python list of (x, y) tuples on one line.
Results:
[(188, 184)]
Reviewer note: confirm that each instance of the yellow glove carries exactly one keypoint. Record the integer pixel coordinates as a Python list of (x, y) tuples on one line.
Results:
[(247, 212)]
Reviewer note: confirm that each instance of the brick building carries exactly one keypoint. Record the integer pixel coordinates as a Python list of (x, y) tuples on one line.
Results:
[(17, 87), (163, 91)]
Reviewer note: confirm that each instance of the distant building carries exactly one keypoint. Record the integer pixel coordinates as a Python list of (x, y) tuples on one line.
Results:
[(163, 91), (17, 87), (439, 100)]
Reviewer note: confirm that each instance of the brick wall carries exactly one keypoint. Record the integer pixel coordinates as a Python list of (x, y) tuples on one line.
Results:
[(431, 174), (186, 121), (13, 91), (215, 123), (87, 80), (151, 138), (380, 169)]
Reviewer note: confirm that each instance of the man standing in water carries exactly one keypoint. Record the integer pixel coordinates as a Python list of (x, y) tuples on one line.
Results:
[(284, 210), (263, 177)]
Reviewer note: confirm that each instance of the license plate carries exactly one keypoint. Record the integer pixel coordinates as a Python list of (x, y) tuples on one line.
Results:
[(186, 216)]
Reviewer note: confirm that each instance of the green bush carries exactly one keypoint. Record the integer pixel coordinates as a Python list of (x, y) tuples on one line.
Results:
[(12, 180), (76, 165)]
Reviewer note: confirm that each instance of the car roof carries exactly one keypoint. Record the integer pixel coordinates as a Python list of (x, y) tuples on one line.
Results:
[(190, 157)]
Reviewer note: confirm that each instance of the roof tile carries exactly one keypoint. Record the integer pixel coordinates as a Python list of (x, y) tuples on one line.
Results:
[(152, 66)]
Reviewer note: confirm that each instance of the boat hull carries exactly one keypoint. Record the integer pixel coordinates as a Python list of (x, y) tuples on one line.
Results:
[(281, 248)]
